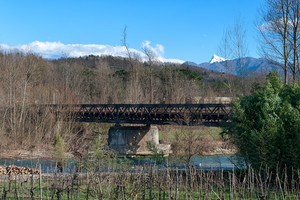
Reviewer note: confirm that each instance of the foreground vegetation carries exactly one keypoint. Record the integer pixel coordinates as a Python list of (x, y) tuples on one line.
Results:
[(266, 126), (152, 182)]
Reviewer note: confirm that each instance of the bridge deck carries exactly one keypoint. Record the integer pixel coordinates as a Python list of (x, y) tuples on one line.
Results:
[(159, 114)]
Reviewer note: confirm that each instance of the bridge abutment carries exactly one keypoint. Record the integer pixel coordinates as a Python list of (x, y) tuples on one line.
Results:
[(132, 140)]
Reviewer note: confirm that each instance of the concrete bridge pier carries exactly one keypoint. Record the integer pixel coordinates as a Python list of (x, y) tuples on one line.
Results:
[(132, 140)]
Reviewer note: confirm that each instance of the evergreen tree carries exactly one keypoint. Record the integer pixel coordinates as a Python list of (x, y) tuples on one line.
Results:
[(266, 125)]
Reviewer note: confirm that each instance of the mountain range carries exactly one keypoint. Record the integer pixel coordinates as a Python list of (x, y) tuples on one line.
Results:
[(56, 50), (249, 65)]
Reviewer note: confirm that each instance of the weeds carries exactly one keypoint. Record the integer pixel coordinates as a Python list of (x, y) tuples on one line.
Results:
[(152, 182)]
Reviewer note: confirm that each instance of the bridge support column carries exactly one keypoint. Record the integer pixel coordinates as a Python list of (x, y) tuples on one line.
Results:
[(132, 140)]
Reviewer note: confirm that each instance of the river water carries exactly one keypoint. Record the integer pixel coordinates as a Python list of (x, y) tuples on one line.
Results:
[(200, 162)]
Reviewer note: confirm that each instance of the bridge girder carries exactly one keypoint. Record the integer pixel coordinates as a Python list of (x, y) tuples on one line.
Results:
[(156, 114)]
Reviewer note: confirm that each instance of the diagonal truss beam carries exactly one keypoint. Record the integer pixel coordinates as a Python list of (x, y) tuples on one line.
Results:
[(159, 114)]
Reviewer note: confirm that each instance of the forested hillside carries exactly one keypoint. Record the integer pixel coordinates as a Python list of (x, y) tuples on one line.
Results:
[(117, 80), (28, 80)]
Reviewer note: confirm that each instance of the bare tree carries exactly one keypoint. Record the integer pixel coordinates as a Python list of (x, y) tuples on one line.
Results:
[(134, 87), (126, 46), (133, 76), (239, 45), (188, 143), (234, 46), (150, 56), (294, 37), (273, 28), (225, 50)]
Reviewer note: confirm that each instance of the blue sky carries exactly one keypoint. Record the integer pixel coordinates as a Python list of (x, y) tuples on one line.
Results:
[(187, 29)]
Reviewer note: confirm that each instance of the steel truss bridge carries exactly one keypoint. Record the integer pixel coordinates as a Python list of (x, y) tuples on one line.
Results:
[(156, 114)]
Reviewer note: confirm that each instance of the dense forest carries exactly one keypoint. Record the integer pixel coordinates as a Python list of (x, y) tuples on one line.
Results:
[(28, 80)]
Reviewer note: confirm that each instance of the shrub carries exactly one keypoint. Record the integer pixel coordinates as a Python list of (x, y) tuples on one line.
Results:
[(59, 151), (266, 125), (98, 156)]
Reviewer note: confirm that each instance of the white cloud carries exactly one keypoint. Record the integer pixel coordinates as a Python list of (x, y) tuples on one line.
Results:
[(158, 50), (274, 25), (54, 50)]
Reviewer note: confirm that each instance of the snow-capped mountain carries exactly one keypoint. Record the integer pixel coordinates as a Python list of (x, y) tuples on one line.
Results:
[(55, 50), (216, 58), (249, 65)]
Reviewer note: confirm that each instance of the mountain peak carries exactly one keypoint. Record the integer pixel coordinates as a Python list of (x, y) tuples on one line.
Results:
[(216, 58)]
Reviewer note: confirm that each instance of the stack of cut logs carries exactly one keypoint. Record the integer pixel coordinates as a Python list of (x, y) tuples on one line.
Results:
[(11, 170)]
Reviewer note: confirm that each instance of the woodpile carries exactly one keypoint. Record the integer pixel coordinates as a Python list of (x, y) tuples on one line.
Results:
[(12, 170)]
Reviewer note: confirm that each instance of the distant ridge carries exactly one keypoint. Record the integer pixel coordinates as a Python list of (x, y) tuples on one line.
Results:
[(250, 65)]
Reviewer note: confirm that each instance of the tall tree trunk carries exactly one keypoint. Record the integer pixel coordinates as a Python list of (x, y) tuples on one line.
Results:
[(285, 14)]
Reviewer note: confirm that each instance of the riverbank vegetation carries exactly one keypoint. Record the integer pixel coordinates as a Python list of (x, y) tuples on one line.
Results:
[(28, 80)]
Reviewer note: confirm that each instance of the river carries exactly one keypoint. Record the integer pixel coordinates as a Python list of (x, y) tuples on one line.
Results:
[(200, 162)]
